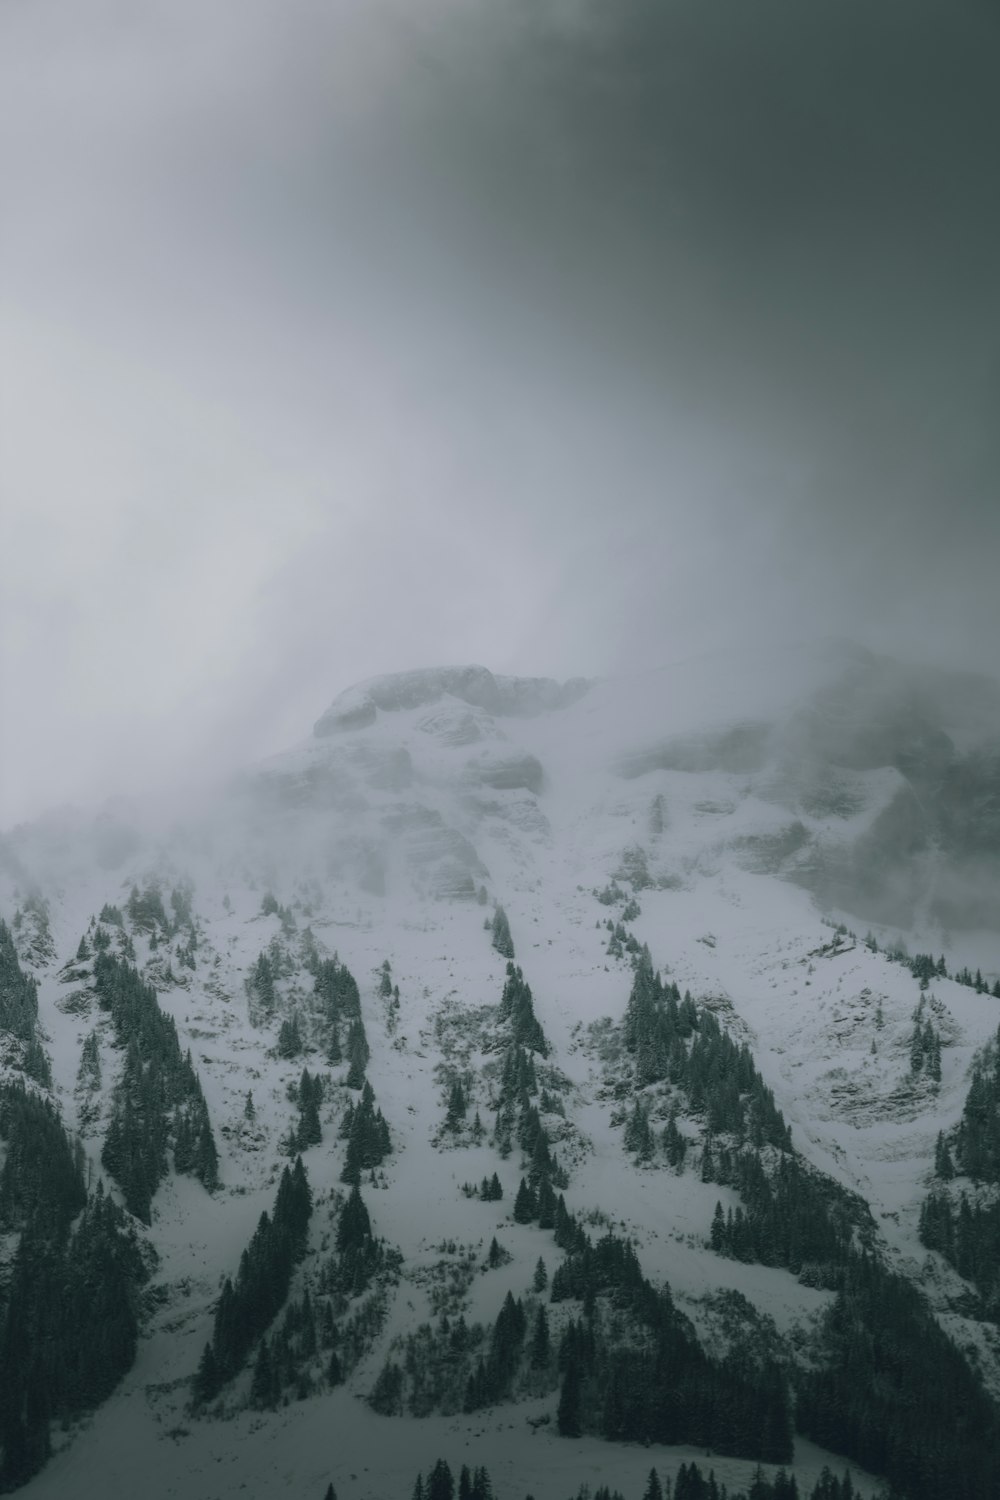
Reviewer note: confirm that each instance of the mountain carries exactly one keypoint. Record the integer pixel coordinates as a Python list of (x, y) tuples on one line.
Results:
[(695, 968)]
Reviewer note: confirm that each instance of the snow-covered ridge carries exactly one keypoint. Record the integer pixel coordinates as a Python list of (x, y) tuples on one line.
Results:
[(876, 784), (521, 697), (664, 804)]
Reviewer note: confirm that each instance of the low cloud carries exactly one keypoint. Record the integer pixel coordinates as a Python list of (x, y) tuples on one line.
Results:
[(342, 338)]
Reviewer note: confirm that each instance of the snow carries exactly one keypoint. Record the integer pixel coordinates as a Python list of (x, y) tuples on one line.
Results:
[(304, 826), (473, 685)]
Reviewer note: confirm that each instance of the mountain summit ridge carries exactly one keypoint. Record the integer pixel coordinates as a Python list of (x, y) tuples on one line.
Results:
[(475, 685)]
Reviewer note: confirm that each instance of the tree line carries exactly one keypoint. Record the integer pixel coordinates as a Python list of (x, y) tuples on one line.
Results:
[(249, 1302), (966, 1229), (69, 1304), (19, 1011), (882, 1355), (158, 1101)]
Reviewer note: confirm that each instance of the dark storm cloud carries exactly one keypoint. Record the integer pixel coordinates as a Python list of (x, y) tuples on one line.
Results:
[(343, 337), (787, 214)]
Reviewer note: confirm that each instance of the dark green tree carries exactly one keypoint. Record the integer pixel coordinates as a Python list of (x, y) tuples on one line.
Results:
[(568, 1413), (540, 1351), (502, 940), (525, 1204), (440, 1484)]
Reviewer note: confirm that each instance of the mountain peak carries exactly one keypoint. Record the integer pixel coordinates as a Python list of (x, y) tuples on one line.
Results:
[(520, 697)]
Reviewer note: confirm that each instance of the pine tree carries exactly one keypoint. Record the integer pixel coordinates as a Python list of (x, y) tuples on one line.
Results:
[(540, 1280), (541, 1349), (440, 1484), (310, 1093), (638, 1135), (262, 1387), (205, 1162), (502, 940), (357, 1054), (491, 1190), (525, 1204), (673, 1142), (354, 1226), (260, 986), (456, 1106), (718, 1234), (496, 1255), (290, 1037), (568, 1413), (207, 1381), (482, 1488)]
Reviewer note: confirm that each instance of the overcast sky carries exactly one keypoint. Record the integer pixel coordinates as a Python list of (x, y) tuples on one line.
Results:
[(568, 336)]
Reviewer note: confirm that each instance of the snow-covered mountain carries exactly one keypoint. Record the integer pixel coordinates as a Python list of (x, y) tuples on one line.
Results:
[(742, 849)]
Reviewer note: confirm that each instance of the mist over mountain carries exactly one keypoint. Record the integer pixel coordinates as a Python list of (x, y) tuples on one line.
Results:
[(872, 783), (697, 970), (574, 1077)]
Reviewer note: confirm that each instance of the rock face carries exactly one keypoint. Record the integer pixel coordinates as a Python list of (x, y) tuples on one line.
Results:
[(517, 697), (874, 784)]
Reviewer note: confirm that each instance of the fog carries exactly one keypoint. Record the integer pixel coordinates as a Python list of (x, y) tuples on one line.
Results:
[(347, 337)]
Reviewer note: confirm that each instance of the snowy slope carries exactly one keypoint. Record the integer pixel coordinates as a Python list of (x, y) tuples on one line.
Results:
[(723, 796)]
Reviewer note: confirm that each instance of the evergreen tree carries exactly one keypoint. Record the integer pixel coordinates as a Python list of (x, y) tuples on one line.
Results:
[(638, 1135), (440, 1484), (496, 1255), (718, 1234), (207, 1381), (309, 1097), (357, 1054), (290, 1037), (944, 1167), (502, 940), (525, 1204), (354, 1226), (262, 1387), (247, 1304), (158, 1100), (387, 1393), (540, 1350), (491, 1190), (368, 1139), (68, 1324), (568, 1414), (517, 1008), (18, 991), (457, 1106)]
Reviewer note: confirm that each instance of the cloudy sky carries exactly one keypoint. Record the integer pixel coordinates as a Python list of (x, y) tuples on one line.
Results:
[(342, 336)]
